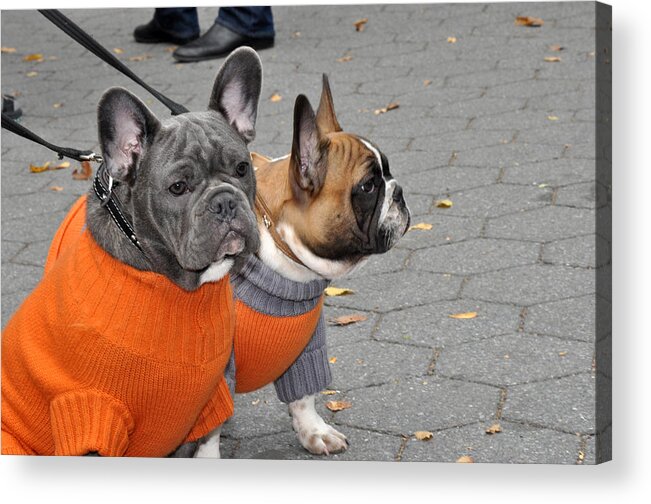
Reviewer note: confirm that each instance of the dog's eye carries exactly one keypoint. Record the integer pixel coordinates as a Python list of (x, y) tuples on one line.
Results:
[(368, 186), (178, 188), (242, 169)]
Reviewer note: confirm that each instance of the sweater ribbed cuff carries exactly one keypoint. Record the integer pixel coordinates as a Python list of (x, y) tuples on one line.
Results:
[(308, 375), (85, 421), (218, 409)]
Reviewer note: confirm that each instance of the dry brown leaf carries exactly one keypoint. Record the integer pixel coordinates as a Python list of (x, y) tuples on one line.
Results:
[(345, 59), (427, 82), (422, 226), (39, 169), (8, 50), (296, 34), (57, 105), (466, 315), (423, 435), (494, 429), (465, 459), (140, 57), (171, 49), (452, 40), (359, 24), (56, 188), (329, 392), (332, 360), (118, 50), (275, 98), (337, 291), (562, 354), (556, 47), (552, 59), (338, 405), (444, 203), (37, 57), (529, 21), (348, 319), (384, 110), (31, 74), (85, 172), (61, 165)]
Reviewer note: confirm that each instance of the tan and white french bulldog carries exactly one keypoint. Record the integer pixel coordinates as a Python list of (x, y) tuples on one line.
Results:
[(322, 211)]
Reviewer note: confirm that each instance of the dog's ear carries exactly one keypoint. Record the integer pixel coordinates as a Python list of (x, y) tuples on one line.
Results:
[(124, 124), (236, 91), (307, 166), (326, 119)]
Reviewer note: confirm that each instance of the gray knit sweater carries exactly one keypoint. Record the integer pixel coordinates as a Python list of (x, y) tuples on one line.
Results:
[(266, 291)]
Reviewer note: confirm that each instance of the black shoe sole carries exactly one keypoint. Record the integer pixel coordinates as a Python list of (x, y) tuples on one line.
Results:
[(169, 39), (258, 45)]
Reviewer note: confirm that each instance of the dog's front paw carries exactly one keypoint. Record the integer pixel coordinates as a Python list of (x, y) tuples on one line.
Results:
[(322, 440)]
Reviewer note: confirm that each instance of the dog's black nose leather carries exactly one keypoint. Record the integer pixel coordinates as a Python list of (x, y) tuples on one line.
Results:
[(223, 205)]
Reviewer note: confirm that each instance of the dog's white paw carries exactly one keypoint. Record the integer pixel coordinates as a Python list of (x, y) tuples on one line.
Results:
[(315, 435), (322, 441)]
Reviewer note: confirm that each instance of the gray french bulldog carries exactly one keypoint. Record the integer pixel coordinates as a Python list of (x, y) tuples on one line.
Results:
[(128, 329)]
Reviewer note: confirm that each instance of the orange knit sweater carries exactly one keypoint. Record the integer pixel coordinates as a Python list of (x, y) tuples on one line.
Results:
[(265, 346), (103, 357)]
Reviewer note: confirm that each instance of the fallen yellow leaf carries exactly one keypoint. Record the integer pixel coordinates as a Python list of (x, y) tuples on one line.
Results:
[(338, 405), (384, 110), (452, 40), (37, 57), (562, 354), (56, 188), (57, 105), (329, 392), (140, 57), (348, 319), (8, 50), (117, 50), (529, 21), (552, 59), (359, 24), (275, 97), (552, 117), (423, 226), (39, 169), (494, 429), (444, 203), (31, 74), (332, 360), (338, 291), (171, 49), (63, 164), (556, 47), (423, 435), (466, 315), (345, 59), (427, 82), (465, 459)]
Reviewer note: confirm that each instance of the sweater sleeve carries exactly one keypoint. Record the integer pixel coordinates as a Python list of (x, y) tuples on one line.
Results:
[(217, 410), (310, 372), (89, 420)]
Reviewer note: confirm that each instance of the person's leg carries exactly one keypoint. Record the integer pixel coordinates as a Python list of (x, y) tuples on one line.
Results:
[(254, 22), (234, 27), (177, 25)]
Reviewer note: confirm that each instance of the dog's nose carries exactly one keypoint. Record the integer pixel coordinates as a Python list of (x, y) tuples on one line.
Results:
[(223, 205), (397, 194)]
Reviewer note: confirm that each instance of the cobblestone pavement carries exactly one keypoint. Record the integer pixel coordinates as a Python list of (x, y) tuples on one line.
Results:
[(484, 121)]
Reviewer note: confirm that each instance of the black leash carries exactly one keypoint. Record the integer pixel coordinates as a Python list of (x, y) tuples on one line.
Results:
[(9, 124), (103, 186), (96, 48)]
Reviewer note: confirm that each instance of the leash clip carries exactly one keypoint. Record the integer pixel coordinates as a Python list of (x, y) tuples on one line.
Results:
[(92, 157)]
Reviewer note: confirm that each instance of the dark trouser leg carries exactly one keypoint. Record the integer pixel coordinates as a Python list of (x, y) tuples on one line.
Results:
[(254, 22), (182, 22)]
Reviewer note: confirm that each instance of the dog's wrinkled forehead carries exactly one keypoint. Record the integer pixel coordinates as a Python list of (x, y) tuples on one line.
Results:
[(203, 138), (381, 163)]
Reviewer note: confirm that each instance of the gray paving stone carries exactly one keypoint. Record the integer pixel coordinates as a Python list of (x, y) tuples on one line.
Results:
[(460, 141), (11, 301), (551, 172), (445, 229), (419, 204), (585, 195), (559, 134), (543, 224), (35, 204), (510, 154), (19, 278), (475, 256), (406, 288), (393, 260), (258, 413), (580, 251), (572, 318), (34, 254), (498, 199), (520, 120), (432, 326), (361, 365), (565, 403), (513, 359), (516, 444), (416, 404), (348, 334), (448, 179), (10, 249), (527, 285)]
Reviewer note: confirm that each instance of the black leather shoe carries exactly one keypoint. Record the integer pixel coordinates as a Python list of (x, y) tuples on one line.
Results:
[(216, 42), (153, 33)]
